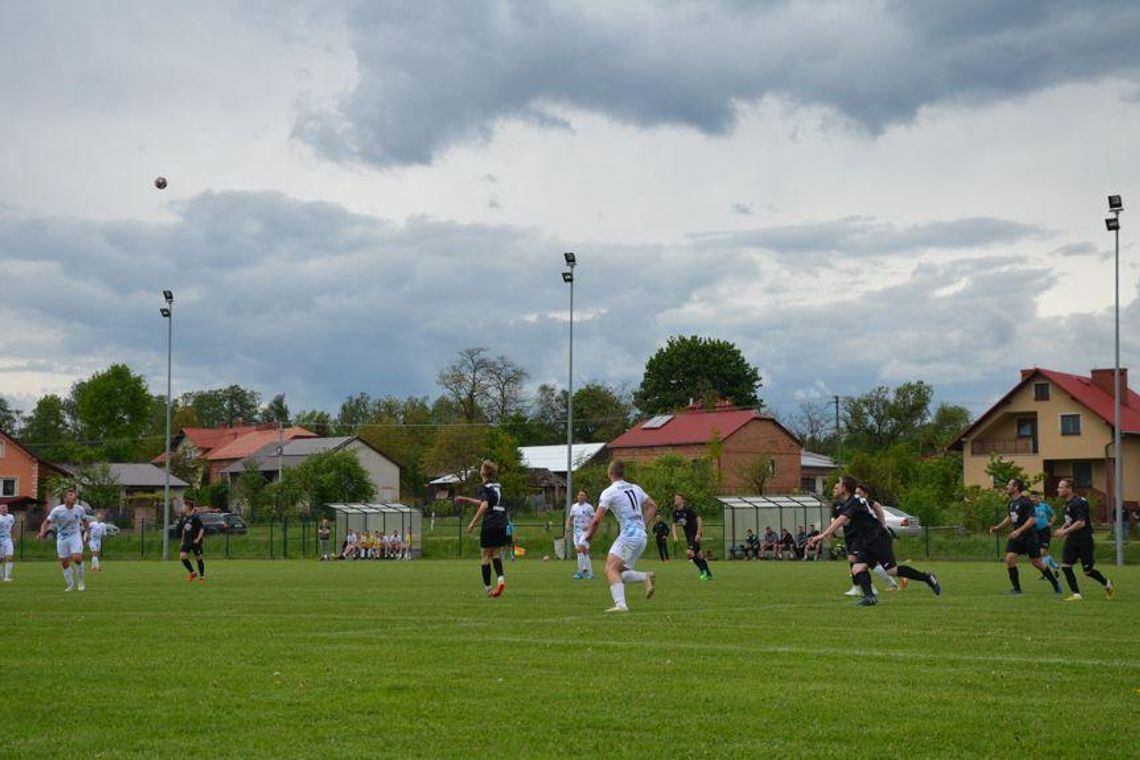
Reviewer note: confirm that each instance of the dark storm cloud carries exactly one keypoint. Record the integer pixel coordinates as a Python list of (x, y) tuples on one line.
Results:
[(437, 74)]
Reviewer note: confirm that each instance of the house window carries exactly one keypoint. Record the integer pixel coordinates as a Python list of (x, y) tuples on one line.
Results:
[(1041, 391), (1082, 475), (1026, 427), (8, 487), (1070, 424), (807, 485), (3, 448)]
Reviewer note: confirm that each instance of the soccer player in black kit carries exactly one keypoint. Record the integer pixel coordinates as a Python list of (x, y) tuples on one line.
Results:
[(868, 542), (493, 534), (193, 533), (1022, 539), (693, 526), (1078, 535)]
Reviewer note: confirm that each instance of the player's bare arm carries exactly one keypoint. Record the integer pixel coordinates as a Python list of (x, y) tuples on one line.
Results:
[(651, 512), (599, 513), (1000, 525), (836, 524), (478, 513)]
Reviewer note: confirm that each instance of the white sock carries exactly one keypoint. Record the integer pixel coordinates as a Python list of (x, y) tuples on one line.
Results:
[(67, 576), (94, 562), (879, 571), (584, 563), (632, 576), (79, 571), (8, 569), (617, 591), (501, 579)]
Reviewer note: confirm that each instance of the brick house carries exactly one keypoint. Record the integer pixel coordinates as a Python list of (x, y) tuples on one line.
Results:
[(1061, 425), (246, 445), (22, 477), (746, 435)]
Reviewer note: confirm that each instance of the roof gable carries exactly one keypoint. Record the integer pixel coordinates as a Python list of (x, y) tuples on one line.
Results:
[(250, 443), (692, 427)]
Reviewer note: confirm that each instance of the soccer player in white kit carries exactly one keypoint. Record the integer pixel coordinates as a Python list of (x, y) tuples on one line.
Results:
[(634, 509), (96, 529), (69, 520), (7, 552), (581, 514)]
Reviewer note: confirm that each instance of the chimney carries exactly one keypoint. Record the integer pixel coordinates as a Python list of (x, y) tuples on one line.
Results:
[(1102, 378)]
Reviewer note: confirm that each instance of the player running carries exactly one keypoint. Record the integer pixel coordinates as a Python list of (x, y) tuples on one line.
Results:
[(1023, 537), (96, 529), (193, 533), (1078, 535), (493, 533), (7, 551), (69, 521), (694, 528), (879, 570), (872, 543), (580, 516), (1045, 516), (627, 501)]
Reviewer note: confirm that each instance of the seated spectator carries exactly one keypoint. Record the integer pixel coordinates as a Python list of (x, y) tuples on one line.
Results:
[(751, 545), (818, 550), (350, 545), (770, 543), (787, 545), (801, 541)]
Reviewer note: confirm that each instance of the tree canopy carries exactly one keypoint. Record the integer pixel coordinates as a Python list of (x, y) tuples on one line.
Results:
[(700, 369)]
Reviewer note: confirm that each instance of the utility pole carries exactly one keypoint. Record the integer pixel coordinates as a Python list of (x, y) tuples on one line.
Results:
[(838, 437)]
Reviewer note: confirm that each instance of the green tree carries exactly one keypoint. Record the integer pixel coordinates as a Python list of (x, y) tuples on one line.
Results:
[(47, 433), (355, 412), (276, 411), (695, 368), (113, 412), (315, 420), (9, 417), (601, 413), (224, 406), (251, 490), (95, 484), (880, 418), (328, 477), (467, 382), (1002, 471), (947, 422), (504, 389), (403, 432)]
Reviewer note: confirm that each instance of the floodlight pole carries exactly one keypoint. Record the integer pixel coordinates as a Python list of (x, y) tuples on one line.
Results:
[(571, 261), (168, 314), (1118, 468)]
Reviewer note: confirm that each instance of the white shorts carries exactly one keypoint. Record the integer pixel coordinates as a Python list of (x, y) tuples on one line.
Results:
[(629, 548), (66, 547), (580, 539), (95, 546), (6, 548)]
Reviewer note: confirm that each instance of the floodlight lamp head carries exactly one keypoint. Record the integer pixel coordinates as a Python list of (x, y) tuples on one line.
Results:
[(165, 312), (567, 277), (1114, 203), (571, 259), (1112, 223), (168, 295)]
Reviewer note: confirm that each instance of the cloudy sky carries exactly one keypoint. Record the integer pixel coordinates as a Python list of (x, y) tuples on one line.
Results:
[(854, 193)]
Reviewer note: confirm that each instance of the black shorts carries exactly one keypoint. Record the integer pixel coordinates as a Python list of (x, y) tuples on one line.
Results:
[(1024, 544), (1044, 536), (191, 548), (1078, 549), (877, 552), (493, 534), (694, 544)]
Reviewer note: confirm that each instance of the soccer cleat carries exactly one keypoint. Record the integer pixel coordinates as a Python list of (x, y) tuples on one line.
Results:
[(618, 608), (935, 586), (498, 589), (1014, 592), (1073, 598), (201, 579), (650, 584), (903, 582), (588, 577), (1110, 590), (7, 580), (69, 588), (867, 601), (191, 577), (895, 587), (81, 586), (853, 592), (577, 576)]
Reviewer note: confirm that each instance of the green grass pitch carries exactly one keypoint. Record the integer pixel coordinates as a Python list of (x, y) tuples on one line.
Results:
[(410, 659)]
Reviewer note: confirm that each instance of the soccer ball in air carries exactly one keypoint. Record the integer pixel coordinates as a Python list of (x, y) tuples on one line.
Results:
[(160, 183)]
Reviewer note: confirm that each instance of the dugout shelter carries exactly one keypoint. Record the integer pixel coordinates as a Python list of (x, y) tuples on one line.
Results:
[(759, 512), (380, 516)]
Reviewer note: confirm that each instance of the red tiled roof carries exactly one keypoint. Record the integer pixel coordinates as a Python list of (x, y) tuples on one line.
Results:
[(206, 439), (692, 426), (251, 443), (1081, 388)]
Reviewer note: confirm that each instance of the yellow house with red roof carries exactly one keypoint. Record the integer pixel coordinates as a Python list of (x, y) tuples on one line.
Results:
[(1060, 425)]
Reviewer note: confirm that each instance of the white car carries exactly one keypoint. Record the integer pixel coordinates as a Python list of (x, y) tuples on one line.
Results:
[(899, 523)]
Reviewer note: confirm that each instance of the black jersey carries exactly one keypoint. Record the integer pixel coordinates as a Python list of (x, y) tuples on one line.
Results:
[(189, 528), (862, 523), (496, 513), (1021, 511), (1076, 509), (687, 519), (660, 530)]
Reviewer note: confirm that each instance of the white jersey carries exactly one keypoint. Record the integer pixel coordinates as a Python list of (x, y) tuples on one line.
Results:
[(95, 531), (6, 522), (68, 522), (581, 515), (625, 500)]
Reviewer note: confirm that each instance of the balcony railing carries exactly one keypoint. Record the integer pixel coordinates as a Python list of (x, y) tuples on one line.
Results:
[(987, 446)]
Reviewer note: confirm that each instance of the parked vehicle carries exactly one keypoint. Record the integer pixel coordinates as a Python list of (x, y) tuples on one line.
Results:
[(217, 522), (899, 523)]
